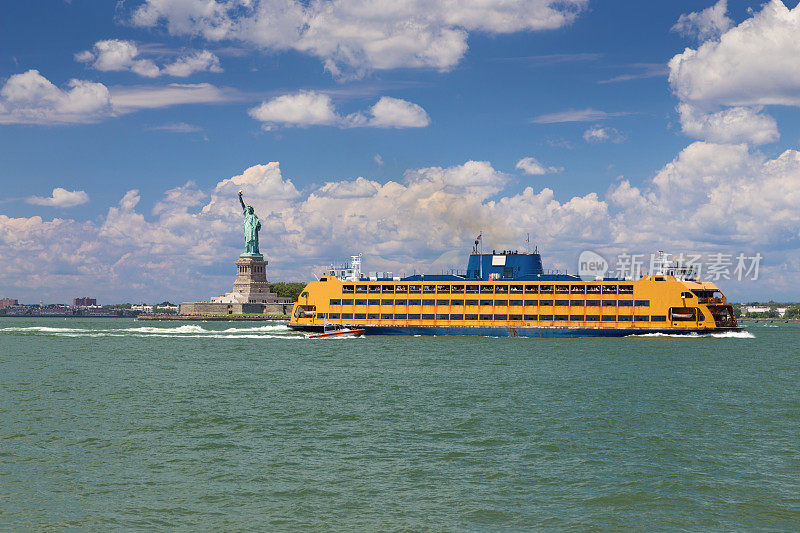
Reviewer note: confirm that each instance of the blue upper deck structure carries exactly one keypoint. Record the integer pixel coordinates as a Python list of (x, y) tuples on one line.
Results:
[(506, 265)]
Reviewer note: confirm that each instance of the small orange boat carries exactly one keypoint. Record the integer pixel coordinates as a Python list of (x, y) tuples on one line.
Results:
[(335, 330)]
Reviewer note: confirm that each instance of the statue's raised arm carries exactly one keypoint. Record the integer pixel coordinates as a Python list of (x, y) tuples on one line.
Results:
[(244, 207)]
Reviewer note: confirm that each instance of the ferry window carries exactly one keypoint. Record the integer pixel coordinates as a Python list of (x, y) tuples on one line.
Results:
[(457, 289), (658, 318), (428, 302), (657, 278), (442, 317), (641, 318), (347, 316), (515, 317), (508, 272), (374, 302), (501, 289), (531, 289), (443, 289), (562, 289), (501, 303), (442, 302), (415, 289), (561, 317), (593, 289), (472, 289), (486, 317), (304, 295), (333, 315), (472, 302), (575, 303), (321, 315), (531, 317), (687, 295), (487, 302), (386, 316), (593, 318), (388, 289), (457, 302), (700, 315), (546, 289), (470, 317), (624, 318), (361, 288), (626, 289), (360, 316), (361, 302), (501, 317), (609, 289), (545, 302), (400, 302), (347, 289), (400, 317), (374, 289), (487, 289), (609, 318), (578, 289), (401, 289), (335, 302), (593, 303), (415, 302), (625, 303), (386, 302), (347, 301), (427, 316), (642, 303), (413, 316), (562, 302), (609, 303), (428, 289), (576, 317), (516, 289), (531, 302), (373, 316), (515, 303), (545, 317)]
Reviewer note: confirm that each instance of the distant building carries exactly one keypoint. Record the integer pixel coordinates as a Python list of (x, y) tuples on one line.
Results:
[(84, 301), (756, 309), (143, 308), (7, 302), (781, 311)]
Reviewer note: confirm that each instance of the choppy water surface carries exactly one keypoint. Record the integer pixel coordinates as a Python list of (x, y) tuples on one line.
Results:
[(112, 423)]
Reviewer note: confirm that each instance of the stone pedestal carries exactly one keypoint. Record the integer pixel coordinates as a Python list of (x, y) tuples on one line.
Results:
[(250, 294)]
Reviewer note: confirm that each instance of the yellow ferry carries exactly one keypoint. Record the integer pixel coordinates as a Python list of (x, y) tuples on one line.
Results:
[(508, 295)]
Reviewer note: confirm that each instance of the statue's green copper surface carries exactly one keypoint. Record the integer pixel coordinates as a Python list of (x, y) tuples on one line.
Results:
[(251, 227)]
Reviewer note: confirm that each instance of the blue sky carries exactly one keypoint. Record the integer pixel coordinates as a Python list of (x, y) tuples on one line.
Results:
[(443, 103)]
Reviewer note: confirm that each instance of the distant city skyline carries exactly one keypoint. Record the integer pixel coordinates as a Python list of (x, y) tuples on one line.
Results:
[(400, 130)]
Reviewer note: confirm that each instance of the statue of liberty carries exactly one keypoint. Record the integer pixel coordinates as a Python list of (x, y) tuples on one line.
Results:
[(251, 227)]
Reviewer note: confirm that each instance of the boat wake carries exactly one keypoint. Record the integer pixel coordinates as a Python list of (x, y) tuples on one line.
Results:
[(186, 331), (721, 335)]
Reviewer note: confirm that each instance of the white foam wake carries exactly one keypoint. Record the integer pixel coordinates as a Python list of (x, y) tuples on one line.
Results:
[(694, 335)]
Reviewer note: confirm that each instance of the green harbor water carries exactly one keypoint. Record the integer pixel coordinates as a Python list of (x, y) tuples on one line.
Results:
[(110, 424)]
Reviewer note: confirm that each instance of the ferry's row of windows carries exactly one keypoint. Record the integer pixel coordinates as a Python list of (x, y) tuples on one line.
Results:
[(364, 288), (496, 303), (510, 317)]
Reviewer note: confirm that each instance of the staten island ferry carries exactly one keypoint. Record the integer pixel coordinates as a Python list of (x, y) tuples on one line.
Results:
[(508, 294)]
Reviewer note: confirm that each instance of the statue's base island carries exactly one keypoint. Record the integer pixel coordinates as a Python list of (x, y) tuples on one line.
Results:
[(250, 294)]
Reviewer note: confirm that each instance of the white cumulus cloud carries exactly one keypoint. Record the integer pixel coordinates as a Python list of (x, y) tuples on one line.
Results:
[(706, 24), (60, 198), (530, 165), (600, 134), (119, 55), (723, 83), (310, 108), (30, 98), (353, 36)]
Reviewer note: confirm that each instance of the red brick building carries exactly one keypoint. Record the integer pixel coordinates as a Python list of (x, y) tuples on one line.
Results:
[(84, 301)]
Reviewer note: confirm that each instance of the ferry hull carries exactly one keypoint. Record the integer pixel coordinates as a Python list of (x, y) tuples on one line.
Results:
[(504, 331)]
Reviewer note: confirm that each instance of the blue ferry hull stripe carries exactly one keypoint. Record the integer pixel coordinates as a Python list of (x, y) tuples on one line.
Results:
[(505, 331)]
